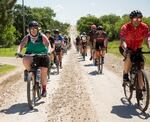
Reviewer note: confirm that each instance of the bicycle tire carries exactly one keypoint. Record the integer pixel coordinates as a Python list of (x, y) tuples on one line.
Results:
[(128, 91), (146, 94), (39, 90), (30, 91), (100, 66), (83, 55)]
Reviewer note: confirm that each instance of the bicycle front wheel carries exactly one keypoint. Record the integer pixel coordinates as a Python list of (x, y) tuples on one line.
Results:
[(128, 90), (144, 102), (31, 92)]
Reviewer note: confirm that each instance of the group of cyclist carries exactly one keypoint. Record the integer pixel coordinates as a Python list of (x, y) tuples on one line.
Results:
[(97, 39), (37, 42), (132, 36)]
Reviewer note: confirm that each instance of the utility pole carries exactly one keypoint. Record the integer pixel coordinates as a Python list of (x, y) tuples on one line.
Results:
[(23, 15)]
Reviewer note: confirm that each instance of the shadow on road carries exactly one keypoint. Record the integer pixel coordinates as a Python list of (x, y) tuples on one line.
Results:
[(21, 109), (128, 110), (87, 65), (93, 73)]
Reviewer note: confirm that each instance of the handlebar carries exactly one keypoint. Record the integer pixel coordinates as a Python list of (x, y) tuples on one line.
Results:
[(145, 52), (31, 55)]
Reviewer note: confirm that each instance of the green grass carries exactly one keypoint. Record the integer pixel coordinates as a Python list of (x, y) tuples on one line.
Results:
[(113, 48), (4, 68), (8, 52)]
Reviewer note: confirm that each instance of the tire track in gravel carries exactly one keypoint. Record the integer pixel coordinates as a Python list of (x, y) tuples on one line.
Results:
[(71, 102)]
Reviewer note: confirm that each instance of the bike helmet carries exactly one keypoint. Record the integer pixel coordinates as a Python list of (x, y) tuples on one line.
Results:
[(56, 31), (135, 14), (93, 26), (100, 28), (33, 24), (84, 33), (47, 31)]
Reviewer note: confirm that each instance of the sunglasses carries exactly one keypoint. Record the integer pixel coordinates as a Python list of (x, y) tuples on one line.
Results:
[(137, 19), (33, 29)]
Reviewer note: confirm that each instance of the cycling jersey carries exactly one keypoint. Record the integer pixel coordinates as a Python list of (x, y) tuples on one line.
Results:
[(84, 40), (134, 36), (101, 36), (58, 40), (35, 45)]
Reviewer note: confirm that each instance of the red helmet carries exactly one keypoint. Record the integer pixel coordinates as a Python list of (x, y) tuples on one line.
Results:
[(93, 26)]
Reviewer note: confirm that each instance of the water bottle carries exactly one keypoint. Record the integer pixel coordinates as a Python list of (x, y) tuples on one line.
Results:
[(38, 75)]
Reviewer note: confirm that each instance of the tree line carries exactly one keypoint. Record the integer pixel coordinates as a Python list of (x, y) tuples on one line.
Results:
[(111, 24), (11, 21)]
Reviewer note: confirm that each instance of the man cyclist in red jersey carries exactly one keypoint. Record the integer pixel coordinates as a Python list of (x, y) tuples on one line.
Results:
[(132, 35)]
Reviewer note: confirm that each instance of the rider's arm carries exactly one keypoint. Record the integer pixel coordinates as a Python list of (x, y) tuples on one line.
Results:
[(22, 44), (46, 42), (122, 37), (147, 37)]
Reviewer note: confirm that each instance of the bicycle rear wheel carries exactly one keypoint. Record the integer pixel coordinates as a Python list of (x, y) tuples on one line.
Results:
[(144, 103), (31, 92), (100, 66), (83, 55), (128, 90)]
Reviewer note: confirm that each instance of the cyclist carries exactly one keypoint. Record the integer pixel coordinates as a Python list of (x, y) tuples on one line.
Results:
[(101, 43), (84, 43), (91, 36), (36, 43), (77, 43), (51, 40), (59, 43), (132, 35)]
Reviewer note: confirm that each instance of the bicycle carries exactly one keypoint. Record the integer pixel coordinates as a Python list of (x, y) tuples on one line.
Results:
[(133, 84), (34, 86)]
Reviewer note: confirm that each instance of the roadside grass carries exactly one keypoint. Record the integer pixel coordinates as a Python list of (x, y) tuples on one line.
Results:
[(5, 68), (9, 52), (113, 48)]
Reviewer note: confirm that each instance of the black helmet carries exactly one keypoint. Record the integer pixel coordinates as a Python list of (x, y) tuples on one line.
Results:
[(136, 13), (33, 24), (56, 31), (100, 28), (84, 33), (47, 31)]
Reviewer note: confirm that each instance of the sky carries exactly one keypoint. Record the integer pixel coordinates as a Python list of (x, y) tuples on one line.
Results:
[(71, 10)]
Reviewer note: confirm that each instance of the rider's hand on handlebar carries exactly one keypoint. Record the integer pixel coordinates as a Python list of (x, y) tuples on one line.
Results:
[(18, 55)]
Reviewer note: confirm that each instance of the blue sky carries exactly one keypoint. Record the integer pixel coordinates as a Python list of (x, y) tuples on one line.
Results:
[(71, 10)]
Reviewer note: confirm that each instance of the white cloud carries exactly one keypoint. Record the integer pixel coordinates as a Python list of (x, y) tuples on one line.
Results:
[(58, 8)]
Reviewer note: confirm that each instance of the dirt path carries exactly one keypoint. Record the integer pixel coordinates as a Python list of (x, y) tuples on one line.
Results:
[(77, 94)]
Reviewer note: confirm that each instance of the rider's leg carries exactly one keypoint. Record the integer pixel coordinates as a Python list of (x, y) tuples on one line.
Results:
[(103, 55), (60, 59), (27, 64), (91, 51), (52, 58), (127, 66), (44, 79)]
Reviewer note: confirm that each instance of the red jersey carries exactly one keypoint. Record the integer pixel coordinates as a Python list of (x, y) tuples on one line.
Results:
[(134, 36)]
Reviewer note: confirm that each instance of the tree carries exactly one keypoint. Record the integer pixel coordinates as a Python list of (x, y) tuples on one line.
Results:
[(7, 31)]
